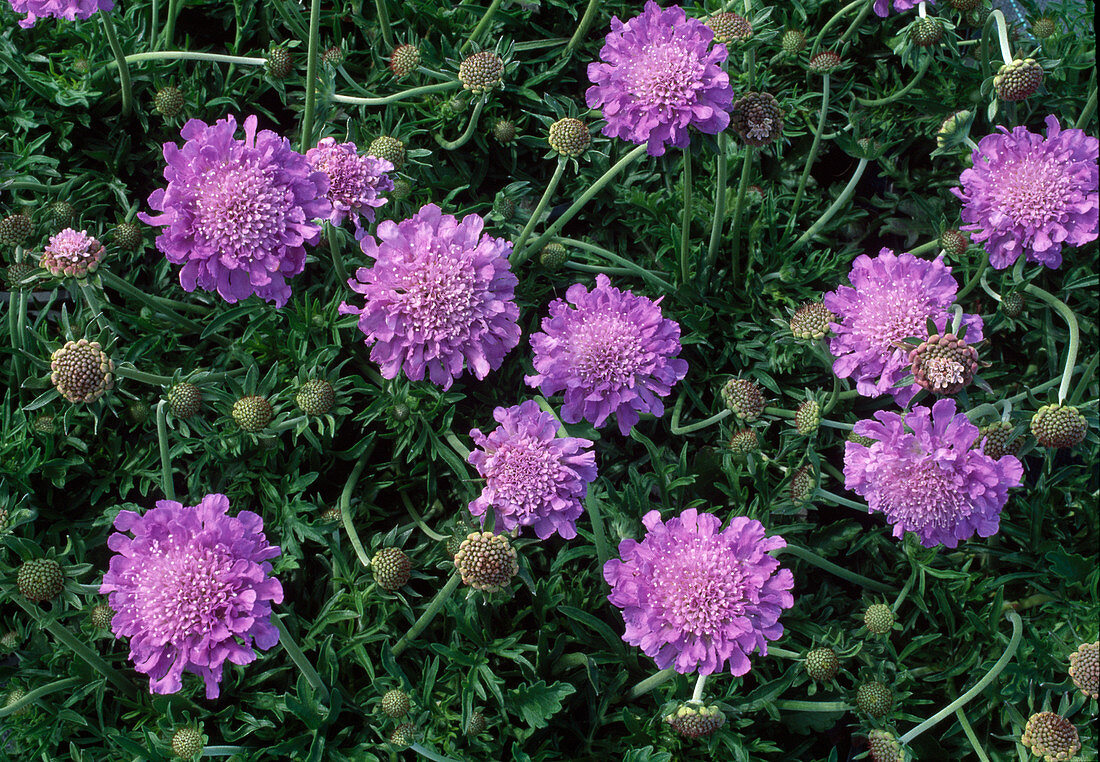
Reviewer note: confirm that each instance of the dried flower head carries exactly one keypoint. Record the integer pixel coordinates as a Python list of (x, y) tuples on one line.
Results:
[(757, 118), (1051, 736)]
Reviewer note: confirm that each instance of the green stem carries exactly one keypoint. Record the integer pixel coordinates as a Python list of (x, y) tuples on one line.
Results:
[(975, 744), (120, 59), (464, 138), (836, 206), (227, 751), (838, 500), (295, 653), (981, 685), (188, 55), (337, 256), (388, 99), (154, 22), (419, 521), (719, 220), (126, 371), (836, 17), (783, 653), (61, 633), (815, 560), (166, 482), (486, 18), (987, 28), (974, 279), (700, 684), (738, 210), (384, 23), (679, 430), (518, 256), (864, 12), (550, 42), (170, 21), (93, 304), (1087, 111), (305, 138), (926, 247), (651, 682), (585, 197), (685, 219), (345, 512), (1002, 35), (813, 706), (429, 754), (652, 278), (37, 693), (1086, 377), (872, 102), (160, 303), (1074, 336), (595, 511), (456, 443), (426, 618), (812, 155), (582, 28)]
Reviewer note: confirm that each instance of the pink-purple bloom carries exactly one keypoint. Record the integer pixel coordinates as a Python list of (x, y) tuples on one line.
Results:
[(71, 253), (611, 352), (882, 7), (354, 182), (1026, 194), (70, 10), (192, 589), (533, 477), (237, 213), (659, 75), (923, 474), (439, 297), (696, 597), (892, 297)]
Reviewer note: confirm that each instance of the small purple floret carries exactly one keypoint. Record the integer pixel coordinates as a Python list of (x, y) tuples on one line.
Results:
[(882, 7), (923, 474), (533, 477), (237, 213), (71, 10), (192, 589), (354, 182), (1029, 195), (659, 75), (610, 352), (696, 597)]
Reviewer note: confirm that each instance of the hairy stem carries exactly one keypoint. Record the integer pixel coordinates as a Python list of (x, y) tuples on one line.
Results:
[(719, 219), (120, 61), (426, 618), (738, 212), (166, 482), (388, 99), (813, 151), (518, 256)]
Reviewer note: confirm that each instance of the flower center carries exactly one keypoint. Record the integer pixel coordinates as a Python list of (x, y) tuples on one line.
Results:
[(922, 494), (522, 473), (699, 589), (665, 75), (181, 591), (1031, 191), (347, 176), (606, 349), (886, 316), (240, 211), (944, 372), (437, 297)]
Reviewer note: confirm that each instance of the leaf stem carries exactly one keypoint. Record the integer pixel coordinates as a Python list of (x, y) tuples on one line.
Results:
[(815, 560), (120, 59), (719, 219), (651, 682), (37, 693), (582, 27), (429, 614), (305, 138), (384, 23)]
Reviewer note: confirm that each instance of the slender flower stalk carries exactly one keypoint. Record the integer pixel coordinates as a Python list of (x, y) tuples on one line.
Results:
[(40, 692), (836, 206), (385, 100), (429, 614), (415, 516), (700, 684), (1002, 35), (815, 560), (464, 138), (1088, 111), (738, 212), (629, 267), (975, 744), (977, 688), (838, 500), (188, 55), (680, 430), (384, 23), (120, 59), (685, 219), (300, 660), (655, 680), (582, 28), (305, 137), (170, 21), (165, 455), (482, 25), (345, 501), (595, 512), (337, 255), (899, 94), (864, 5), (1074, 336), (519, 256), (812, 155), (719, 220)]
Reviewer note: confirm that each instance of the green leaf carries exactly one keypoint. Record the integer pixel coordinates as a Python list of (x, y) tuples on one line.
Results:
[(537, 703)]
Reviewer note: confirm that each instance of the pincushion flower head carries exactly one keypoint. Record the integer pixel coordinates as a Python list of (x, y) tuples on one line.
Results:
[(354, 181), (609, 351), (533, 477), (192, 588), (892, 297), (70, 10), (439, 297), (882, 7), (236, 213), (696, 597), (922, 473), (71, 253), (1026, 194), (658, 75)]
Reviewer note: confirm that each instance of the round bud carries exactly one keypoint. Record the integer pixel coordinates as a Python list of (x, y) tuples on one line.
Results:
[(184, 399), (391, 568), (964, 5), (1058, 426), (101, 616), (693, 720), (138, 411), (1051, 736), (15, 228), (744, 441), (402, 188), (802, 486), (252, 413), (476, 724), (793, 41), (996, 440), (403, 735), (926, 31), (81, 65), (822, 664), (14, 697), (333, 56), (396, 704), (811, 321), (40, 579), (315, 397), (481, 72), (404, 60), (10, 641), (569, 137), (824, 62), (878, 619), (729, 27), (757, 118), (486, 561), (388, 148), (400, 412), (18, 275), (1084, 669), (187, 742), (744, 398), (884, 747), (953, 242), (127, 236), (280, 63), (81, 371), (1043, 27), (331, 515), (553, 256), (808, 417), (62, 215), (504, 130), (168, 101), (875, 699), (1012, 304), (1018, 80), (505, 207), (948, 130), (45, 423)]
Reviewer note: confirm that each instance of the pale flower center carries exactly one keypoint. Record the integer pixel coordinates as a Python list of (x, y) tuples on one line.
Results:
[(1031, 191), (240, 211), (606, 349), (438, 296), (181, 591), (665, 75), (700, 589)]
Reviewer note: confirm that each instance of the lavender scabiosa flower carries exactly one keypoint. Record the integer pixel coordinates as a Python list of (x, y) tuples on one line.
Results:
[(1026, 194), (70, 10), (695, 598), (610, 352), (237, 212), (656, 77), (439, 296), (882, 7), (892, 297), (191, 589), (71, 253), (923, 475), (354, 181), (533, 477)]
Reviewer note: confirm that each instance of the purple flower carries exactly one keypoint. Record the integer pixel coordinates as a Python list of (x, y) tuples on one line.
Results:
[(922, 473), (191, 589), (882, 7), (533, 477), (237, 212), (611, 352), (694, 597), (62, 9), (354, 181), (71, 253), (892, 299), (1028, 195), (658, 78), (440, 295)]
